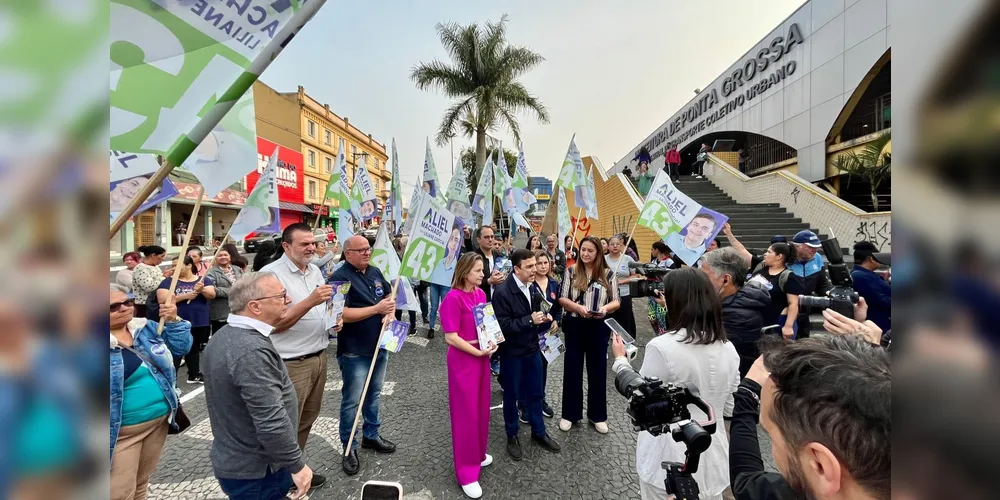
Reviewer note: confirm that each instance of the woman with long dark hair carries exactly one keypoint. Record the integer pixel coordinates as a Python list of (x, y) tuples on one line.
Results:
[(235, 257), (191, 297), (775, 277), (534, 243), (695, 352), (223, 274), (589, 295), (618, 262), (147, 276)]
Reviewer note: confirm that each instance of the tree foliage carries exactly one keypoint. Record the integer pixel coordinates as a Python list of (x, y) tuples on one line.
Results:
[(468, 159), (873, 164)]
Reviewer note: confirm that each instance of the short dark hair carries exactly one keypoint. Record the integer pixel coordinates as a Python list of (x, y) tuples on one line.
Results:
[(195, 248), (694, 305), (836, 390), (661, 247), (520, 254), (286, 235), (147, 250), (863, 250), (708, 216), (479, 231)]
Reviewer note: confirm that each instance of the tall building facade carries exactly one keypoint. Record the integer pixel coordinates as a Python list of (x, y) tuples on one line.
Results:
[(541, 187)]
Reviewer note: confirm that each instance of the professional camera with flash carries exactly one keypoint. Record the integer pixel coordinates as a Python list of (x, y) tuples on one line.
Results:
[(842, 297), (656, 407)]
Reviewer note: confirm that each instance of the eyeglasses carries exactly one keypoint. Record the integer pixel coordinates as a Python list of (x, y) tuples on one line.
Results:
[(282, 295), (487, 236), (360, 250), (117, 306)]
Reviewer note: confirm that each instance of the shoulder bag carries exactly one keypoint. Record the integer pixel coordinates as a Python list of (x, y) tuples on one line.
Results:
[(181, 420)]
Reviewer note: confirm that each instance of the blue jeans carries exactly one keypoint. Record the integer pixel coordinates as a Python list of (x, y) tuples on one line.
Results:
[(437, 295), (522, 381), (273, 486), (354, 370)]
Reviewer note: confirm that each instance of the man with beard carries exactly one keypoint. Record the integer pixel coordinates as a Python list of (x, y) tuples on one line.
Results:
[(826, 403)]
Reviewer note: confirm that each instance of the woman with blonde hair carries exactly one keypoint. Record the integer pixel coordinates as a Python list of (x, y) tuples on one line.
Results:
[(468, 373), (589, 295)]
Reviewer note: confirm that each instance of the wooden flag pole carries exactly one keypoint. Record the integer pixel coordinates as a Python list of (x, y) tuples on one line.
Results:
[(187, 241), (371, 368), (621, 259), (320, 214), (144, 194)]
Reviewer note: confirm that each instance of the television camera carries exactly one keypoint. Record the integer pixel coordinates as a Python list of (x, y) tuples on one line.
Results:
[(654, 279)]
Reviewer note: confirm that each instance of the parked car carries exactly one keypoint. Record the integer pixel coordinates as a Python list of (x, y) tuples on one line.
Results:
[(250, 245), (324, 234)]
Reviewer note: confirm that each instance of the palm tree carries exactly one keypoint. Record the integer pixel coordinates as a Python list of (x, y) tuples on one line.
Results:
[(873, 164), (482, 77)]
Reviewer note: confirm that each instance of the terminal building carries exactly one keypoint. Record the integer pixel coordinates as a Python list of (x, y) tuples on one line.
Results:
[(814, 87)]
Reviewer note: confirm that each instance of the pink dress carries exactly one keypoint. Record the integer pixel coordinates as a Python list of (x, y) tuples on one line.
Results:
[(468, 386)]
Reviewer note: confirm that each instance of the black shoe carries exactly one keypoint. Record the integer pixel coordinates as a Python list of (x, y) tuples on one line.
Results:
[(426, 321), (379, 444), (318, 481), (413, 330), (514, 449), (546, 443), (547, 410), (430, 333), (197, 379), (350, 463)]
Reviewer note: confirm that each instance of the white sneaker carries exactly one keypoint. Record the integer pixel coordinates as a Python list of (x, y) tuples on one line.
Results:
[(487, 461), (565, 425), (602, 427), (472, 490)]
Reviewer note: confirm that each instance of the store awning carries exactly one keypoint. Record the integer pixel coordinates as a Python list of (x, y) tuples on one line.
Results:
[(298, 207)]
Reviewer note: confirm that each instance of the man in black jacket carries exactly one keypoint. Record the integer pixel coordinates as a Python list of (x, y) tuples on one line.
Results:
[(521, 320), (826, 402), (743, 304)]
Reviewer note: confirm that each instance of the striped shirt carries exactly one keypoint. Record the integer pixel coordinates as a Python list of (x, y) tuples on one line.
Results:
[(596, 295)]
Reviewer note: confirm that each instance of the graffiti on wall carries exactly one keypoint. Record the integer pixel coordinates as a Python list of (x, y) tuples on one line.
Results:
[(621, 224), (878, 233), (795, 194), (581, 226)]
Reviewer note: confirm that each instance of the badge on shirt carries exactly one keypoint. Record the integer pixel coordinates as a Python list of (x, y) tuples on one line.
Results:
[(379, 290), (158, 349)]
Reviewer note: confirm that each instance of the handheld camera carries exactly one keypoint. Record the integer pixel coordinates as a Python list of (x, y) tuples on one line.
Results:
[(653, 282), (842, 297)]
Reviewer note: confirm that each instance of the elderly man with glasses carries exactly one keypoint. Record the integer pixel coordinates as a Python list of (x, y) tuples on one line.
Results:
[(366, 305), (300, 337)]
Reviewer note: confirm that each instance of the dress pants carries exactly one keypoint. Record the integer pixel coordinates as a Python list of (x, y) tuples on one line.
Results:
[(309, 379), (469, 403), (586, 341), (137, 452), (522, 381)]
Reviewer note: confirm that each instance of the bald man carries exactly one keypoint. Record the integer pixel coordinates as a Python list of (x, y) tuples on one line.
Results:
[(368, 301)]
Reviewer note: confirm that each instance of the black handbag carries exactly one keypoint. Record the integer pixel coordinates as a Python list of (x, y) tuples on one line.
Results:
[(181, 421)]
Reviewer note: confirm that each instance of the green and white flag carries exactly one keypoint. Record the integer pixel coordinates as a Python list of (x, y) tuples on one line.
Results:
[(522, 194), (431, 184), (178, 67), (363, 198), (261, 212), (501, 185), (565, 224), (229, 152), (572, 173), (337, 191), (383, 255), (432, 230), (667, 210), (458, 197), (395, 210), (482, 202), (590, 191), (412, 208)]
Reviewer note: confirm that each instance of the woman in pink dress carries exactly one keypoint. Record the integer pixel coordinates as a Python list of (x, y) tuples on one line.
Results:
[(468, 373)]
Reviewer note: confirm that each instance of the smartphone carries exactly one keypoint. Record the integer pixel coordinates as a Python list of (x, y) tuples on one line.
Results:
[(381, 490), (620, 330)]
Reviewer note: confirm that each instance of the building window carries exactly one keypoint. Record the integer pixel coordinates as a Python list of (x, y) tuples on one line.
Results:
[(329, 164), (376, 163), (311, 128), (312, 158), (312, 189), (327, 137)]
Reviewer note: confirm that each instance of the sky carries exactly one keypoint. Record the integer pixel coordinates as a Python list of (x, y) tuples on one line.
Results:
[(613, 71)]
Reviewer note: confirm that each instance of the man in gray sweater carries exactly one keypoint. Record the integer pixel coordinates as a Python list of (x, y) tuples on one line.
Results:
[(251, 401)]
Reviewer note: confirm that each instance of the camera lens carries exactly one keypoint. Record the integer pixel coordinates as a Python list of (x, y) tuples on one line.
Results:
[(627, 381)]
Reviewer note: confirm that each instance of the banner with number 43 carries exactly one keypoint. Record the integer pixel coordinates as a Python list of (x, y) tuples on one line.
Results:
[(431, 230)]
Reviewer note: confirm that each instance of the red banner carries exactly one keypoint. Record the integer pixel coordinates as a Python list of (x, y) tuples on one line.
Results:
[(190, 192), (290, 167)]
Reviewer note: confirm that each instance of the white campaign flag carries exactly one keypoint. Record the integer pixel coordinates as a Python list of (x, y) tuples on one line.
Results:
[(591, 193), (458, 197), (572, 173), (684, 225), (364, 201), (522, 192), (412, 209), (431, 185), (482, 202), (502, 185), (261, 212), (130, 165), (383, 255), (565, 224), (395, 211), (433, 229), (226, 155)]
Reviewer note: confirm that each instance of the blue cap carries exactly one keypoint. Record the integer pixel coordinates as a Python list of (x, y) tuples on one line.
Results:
[(779, 239), (808, 238)]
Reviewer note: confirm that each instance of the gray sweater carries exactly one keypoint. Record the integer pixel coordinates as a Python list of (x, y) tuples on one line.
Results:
[(251, 404)]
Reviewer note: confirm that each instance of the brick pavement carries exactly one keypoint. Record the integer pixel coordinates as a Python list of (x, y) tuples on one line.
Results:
[(415, 416)]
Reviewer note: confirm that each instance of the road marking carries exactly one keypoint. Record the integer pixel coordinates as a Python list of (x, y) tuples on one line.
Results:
[(328, 429), (188, 396), (497, 406), (420, 341)]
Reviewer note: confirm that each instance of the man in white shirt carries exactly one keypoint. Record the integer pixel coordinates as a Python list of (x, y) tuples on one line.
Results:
[(299, 336)]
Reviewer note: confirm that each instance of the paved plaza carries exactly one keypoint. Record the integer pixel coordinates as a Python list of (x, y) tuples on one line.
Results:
[(415, 416)]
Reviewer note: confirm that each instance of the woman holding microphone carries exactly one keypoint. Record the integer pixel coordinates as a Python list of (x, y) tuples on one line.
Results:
[(468, 373), (589, 295)]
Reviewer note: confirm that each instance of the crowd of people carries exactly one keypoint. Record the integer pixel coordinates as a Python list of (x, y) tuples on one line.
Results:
[(256, 337)]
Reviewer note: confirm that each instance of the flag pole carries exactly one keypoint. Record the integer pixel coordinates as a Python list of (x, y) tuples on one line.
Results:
[(321, 205), (621, 259), (187, 241), (371, 368)]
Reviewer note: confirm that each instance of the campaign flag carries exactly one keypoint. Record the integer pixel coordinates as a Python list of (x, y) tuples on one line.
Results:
[(412, 209), (229, 151), (124, 191), (565, 224), (260, 213), (395, 210), (589, 193), (383, 255), (501, 185), (431, 185), (482, 202), (406, 300), (572, 173), (364, 200), (178, 68), (458, 197), (337, 191), (432, 228), (519, 219), (685, 226), (522, 194), (126, 165)]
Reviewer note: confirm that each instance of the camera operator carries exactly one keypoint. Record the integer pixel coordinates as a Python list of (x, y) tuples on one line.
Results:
[(810, 270), (696, 354), (826, 402), (876, 291), (743, 304)]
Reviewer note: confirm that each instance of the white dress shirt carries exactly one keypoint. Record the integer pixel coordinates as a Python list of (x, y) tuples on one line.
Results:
[(524, 289), (308, 335)]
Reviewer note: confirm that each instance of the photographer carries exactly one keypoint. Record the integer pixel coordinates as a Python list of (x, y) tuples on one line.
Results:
[(810, 271), (826, 402), (743, 304), (694, 353)]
